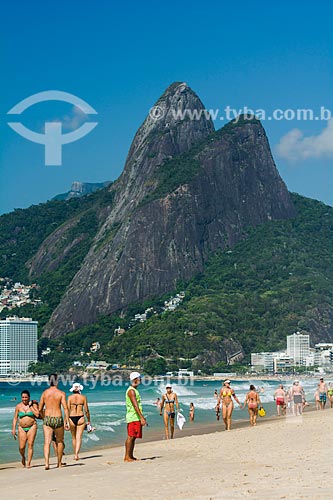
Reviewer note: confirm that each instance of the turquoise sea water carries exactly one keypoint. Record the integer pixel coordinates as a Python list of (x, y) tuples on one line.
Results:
[(107, 408)]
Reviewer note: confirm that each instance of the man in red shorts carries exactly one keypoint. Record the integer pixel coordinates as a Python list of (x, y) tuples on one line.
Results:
[(279, 396), (134, 417)]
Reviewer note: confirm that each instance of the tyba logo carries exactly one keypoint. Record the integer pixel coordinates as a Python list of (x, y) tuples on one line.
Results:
[(53, 138)]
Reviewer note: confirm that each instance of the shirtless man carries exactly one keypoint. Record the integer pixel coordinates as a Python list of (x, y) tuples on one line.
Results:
[(322, 388), (297, 394), (50, 407), (279, 397)]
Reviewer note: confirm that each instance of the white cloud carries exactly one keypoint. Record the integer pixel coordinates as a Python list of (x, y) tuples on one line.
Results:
[(74, 119), (294, 146)]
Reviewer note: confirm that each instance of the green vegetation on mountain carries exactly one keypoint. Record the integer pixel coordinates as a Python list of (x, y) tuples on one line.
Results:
[(275, 282), (24, 230), (28, 228)]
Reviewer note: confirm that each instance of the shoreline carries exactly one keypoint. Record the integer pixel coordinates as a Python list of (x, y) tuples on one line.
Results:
[(245, 462), (189, 430)]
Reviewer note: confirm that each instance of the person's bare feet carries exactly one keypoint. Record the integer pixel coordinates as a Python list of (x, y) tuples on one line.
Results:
[(23, 461), (76, 457), (47, 467), (128, 459)]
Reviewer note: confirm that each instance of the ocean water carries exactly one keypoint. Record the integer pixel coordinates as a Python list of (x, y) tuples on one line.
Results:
[(107, 408)]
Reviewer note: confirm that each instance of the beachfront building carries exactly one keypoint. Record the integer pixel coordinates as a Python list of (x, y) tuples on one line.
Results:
[(271, 362), (262, 361), (185, 372), (298, 347), (323, 354), (18, 345), (283, 363), (298, 354)]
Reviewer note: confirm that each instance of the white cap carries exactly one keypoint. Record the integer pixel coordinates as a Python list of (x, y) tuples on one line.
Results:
[(168, 385), (76, 387), (134, 375), (227, 382)]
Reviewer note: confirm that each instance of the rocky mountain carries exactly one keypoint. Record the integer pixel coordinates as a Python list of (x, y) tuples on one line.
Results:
[(185, 192), (81, 189)]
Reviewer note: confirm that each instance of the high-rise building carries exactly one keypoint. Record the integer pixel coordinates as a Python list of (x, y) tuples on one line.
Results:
[(298, 347), (18, 345)]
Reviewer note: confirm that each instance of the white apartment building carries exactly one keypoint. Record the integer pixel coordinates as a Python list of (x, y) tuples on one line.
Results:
[(298, 347), (18, 345)]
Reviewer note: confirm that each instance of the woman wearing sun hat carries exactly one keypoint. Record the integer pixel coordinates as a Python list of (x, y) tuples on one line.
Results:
[(226, 396), (77, 407), (170, 401)]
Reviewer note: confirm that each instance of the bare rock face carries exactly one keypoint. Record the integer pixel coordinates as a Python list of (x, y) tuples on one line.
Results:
[(161, 136), (155, 233)]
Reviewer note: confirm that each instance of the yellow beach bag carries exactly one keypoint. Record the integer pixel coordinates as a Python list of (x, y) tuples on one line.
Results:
[(261, 412)]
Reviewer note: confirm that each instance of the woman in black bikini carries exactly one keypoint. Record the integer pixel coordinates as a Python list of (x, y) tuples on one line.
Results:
[(25, 415), (169, 400), (77, 406)]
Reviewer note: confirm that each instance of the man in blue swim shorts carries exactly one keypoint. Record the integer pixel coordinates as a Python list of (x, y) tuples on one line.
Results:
[(322, 388)]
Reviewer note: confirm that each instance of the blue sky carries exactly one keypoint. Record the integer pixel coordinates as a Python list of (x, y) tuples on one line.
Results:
[(120, 57)]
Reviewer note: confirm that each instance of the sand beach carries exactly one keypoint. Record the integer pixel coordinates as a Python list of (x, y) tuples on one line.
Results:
[(285, 458)]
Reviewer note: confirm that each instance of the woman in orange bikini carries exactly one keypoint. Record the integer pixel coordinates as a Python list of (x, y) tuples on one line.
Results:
[(252, 400), (226, 395)]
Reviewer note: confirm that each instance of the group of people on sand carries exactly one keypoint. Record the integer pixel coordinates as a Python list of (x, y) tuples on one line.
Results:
[(49, 409), (225, 404), (135, 420), (292, 401), (76, 417)]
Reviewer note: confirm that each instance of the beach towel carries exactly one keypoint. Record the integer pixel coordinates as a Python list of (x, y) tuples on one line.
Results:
[(180, 420)]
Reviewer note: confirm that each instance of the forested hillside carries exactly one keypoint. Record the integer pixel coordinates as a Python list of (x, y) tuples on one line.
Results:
[(276, 281)]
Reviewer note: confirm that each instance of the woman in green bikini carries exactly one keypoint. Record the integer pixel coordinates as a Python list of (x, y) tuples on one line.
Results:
[(25, 415)]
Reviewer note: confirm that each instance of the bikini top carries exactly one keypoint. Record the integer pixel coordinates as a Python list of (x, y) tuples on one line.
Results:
[(77, 404), (170, 401), (22, 414), (229, 393)]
